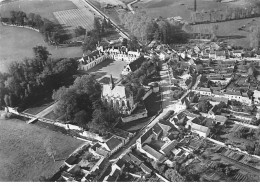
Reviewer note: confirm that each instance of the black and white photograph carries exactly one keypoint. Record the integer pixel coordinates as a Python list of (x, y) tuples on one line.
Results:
[(129, 91)]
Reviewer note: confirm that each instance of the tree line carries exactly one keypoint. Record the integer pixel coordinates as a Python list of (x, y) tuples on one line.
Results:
[(29, 80), (229, 13), (52, 32)]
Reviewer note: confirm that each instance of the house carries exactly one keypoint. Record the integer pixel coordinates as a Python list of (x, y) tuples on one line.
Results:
[(203, 91), (133, 66), (109, 147), (221, 119), (113, 176), (71, 161), (237, 53), (168, 147), (118, 97), (166, 126), (196, 125), (153, 154), (163, 56), (220, 55), (146, 169)]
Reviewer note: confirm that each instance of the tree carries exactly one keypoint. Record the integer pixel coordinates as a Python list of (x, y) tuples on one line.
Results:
[(79, 31), (81, 118), (124, 42), (90, 42), (133, 44), (173, 175), (97, 27), (41, 53), (204, 106), (49, 147), (6, 99)]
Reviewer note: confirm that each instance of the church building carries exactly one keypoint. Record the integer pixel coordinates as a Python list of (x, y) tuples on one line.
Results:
[(119, 97)]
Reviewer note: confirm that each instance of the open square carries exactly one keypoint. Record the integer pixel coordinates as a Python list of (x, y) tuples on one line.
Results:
[(108, 67)]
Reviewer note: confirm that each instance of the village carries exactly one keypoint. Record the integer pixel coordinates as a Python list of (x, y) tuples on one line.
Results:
[(209, 120), (185, 111)]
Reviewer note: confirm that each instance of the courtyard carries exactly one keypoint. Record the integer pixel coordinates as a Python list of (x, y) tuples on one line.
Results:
[(107, 68)]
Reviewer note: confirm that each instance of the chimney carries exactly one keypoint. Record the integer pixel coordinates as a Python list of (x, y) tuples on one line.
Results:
[(195, 5)]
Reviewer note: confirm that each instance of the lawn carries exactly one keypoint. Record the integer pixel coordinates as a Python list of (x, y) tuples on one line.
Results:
[(18, 44), (22, 153)]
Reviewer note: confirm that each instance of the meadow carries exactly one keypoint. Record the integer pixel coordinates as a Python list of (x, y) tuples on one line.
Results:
[(23, 156), (17, 43)]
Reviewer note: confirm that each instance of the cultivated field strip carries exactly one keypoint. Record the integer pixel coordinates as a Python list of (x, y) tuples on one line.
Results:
[(75, 17)]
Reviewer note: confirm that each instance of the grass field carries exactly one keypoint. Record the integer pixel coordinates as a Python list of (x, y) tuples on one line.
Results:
[(45, 8), (18, 44), (22, 153)]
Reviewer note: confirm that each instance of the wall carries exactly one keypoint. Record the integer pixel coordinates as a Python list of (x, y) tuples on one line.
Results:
[(134, 117), (94, 62)]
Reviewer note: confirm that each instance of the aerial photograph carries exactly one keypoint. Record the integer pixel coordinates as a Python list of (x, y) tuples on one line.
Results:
[(129, 91)]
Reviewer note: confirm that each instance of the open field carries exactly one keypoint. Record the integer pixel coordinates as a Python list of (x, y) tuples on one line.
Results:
[(22, 153), (108, 67), (44, 8), (171, 8), (75, 17), (18, 44)]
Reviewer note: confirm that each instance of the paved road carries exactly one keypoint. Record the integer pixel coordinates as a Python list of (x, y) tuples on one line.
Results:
[(167, 105)]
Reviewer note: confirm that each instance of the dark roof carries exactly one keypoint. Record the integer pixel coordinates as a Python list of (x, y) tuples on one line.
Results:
[(135, 158), (116, 173), (71, 160), (111, 179), (157, 129), (170, 147), (146, 169), (113, 142), (136, 64), (146, 135), (120, 163), (181, 115), (153, 152)]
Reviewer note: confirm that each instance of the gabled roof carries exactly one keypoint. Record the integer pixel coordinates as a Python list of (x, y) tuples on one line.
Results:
[(136, 64), (71, 160), (113, 142), (153, 152), (146, 169), (220, 118), (120, 163), (135, 158), (117, 91), (200, 128), (157, 129), (146, 135), (167, 148), (204, 89)]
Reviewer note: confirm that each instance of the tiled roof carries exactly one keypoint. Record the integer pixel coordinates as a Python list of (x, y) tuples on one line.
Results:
[(221, 118), (136, 64), (117, 91), (169, 147), (113, 142), (157, 129), (135, 158), (120, 163), (146, 135), (146, 169), (153, 152)]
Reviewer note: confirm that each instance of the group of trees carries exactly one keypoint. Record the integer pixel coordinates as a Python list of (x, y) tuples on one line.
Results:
[(101, 29), (81, 104), (204, 106), (30, 79), (165, 31), (147, 29), (52, 32), (134, 81), (229, 13)]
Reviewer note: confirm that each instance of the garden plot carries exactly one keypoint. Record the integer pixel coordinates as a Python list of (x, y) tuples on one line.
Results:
[(75, 17)]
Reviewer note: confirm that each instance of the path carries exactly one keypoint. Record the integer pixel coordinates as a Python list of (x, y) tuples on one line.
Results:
[(42, 113), (129, 5)]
